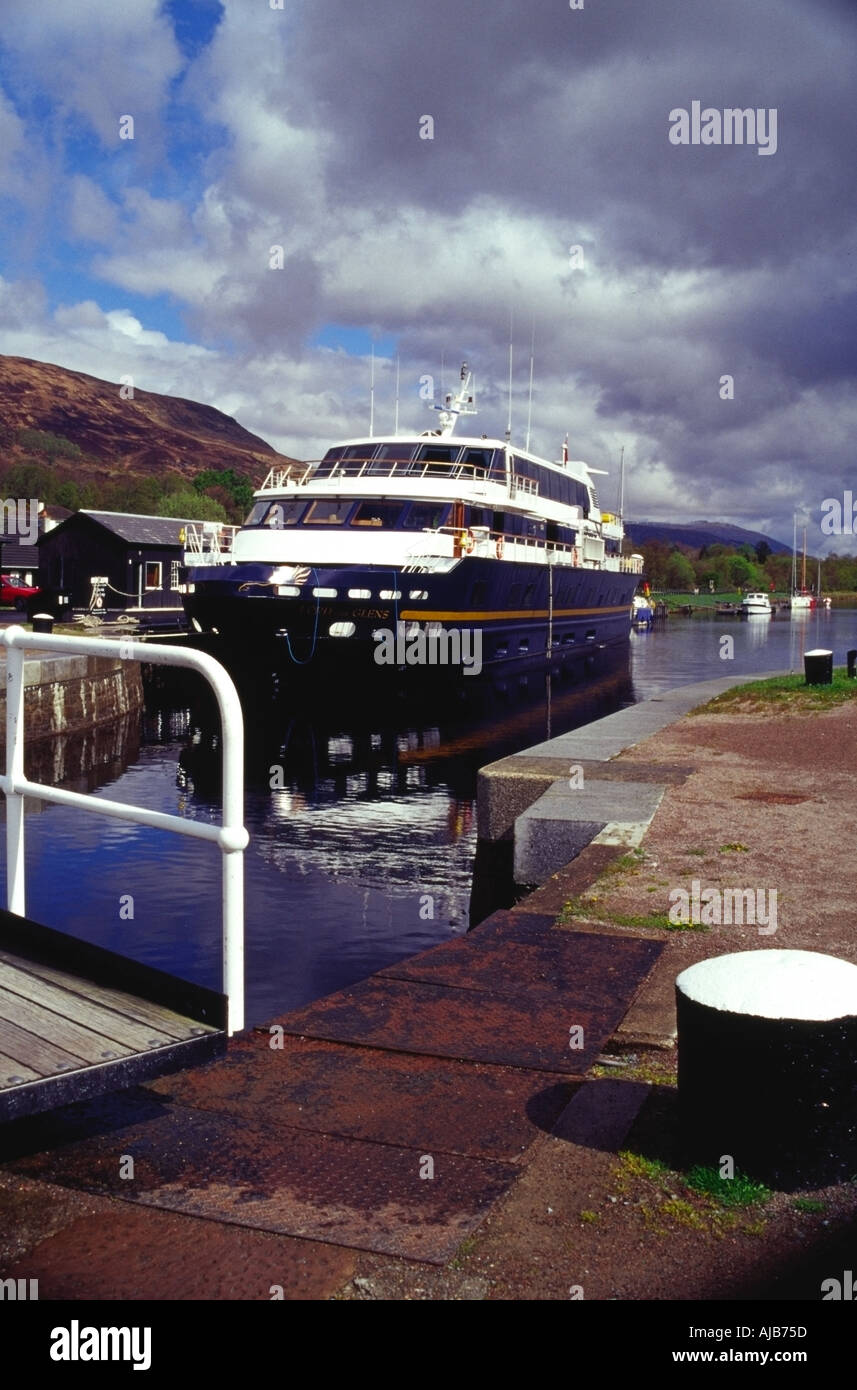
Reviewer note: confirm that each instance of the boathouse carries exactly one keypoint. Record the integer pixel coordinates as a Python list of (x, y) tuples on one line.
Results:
[(115, 561)]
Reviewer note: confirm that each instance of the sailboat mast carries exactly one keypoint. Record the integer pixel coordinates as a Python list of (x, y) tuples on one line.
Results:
[(803, 568), (794, 553)]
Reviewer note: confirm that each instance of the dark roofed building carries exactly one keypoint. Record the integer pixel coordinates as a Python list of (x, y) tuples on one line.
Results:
[(132, 563)]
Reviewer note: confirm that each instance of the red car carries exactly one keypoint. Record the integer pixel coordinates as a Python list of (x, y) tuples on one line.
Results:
[(17, 594)]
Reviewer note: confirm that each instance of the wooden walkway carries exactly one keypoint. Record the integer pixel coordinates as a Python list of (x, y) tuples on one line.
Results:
[(76, 1020)]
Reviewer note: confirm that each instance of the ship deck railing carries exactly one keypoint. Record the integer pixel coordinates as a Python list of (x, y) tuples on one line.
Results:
[(503, 543), (208, 542), (354, 469)]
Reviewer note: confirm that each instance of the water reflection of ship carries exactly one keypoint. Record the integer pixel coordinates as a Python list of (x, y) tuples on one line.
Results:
[(384, 747)]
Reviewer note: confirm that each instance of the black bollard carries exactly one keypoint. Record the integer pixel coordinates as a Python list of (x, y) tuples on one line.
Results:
[(852, 664), (818, 666)]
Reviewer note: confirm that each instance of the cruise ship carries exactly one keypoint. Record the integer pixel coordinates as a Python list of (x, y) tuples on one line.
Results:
[(431, 549)]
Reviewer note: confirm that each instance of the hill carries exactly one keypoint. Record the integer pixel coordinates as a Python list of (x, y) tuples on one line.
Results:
[(86, 430), (696, 534)]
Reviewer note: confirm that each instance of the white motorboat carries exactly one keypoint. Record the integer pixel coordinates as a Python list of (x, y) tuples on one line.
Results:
[(755, 603)]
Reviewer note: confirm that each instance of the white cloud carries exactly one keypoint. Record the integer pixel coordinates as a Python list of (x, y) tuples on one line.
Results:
[(92, 216), (98, 59)]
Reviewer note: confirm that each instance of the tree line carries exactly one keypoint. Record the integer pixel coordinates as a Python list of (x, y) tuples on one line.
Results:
[(725, 568)]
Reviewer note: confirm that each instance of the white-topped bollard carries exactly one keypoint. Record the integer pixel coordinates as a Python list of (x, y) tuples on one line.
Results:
[(767, 1065)]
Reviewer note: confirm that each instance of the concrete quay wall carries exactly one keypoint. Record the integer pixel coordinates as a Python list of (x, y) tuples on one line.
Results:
[(69, 694)]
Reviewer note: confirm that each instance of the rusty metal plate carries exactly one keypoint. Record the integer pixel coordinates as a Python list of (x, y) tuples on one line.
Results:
[(134, 1253), (429, 1103), (341, 1191), (530, 1031), (584, 967), (507, 919)]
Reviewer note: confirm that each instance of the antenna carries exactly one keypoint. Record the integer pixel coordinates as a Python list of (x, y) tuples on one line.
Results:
[(509, 425), (372, 394), (530, 406), (462, 403), (621, 507), (396, 430)]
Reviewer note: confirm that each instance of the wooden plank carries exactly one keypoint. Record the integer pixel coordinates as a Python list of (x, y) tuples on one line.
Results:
[(69, 1005), (44, 1057), (51, 1026), (177, 1026), (9, 1068)]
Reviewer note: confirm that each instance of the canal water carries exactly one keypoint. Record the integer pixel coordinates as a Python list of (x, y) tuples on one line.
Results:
[(362, 820)]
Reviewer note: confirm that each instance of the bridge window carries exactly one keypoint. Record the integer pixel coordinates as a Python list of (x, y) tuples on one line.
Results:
[(276, 515), (381, 514), (324, 513), (437, 453), (426, 516)]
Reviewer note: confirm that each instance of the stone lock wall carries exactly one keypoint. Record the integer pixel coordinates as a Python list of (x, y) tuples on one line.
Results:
[(67, 694)]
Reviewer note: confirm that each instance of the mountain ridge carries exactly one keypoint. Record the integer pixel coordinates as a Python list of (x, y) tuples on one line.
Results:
[(149, 434)]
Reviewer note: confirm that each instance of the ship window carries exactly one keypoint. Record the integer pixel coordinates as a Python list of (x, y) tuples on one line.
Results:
[(426, 516), (331, 458), (388, 457), (478, 458), (436, 453), (153, 574), (355, 459), (324, 513), (276, 515), (382, 514), (394, 453), (478, 593)]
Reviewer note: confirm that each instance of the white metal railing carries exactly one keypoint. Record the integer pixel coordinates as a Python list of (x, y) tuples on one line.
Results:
[(230, 836), (355, 469), (207, 542)]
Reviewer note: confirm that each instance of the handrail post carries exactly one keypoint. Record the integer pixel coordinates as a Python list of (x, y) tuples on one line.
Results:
[(16, 881), (231, 836)]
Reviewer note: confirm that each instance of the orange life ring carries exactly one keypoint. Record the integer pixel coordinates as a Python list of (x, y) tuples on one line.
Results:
[(499, 548)]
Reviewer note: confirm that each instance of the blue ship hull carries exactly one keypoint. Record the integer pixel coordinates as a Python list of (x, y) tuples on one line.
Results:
[(504, 608)]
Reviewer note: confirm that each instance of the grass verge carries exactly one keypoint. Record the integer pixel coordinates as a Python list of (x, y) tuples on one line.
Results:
[(786, 693)]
